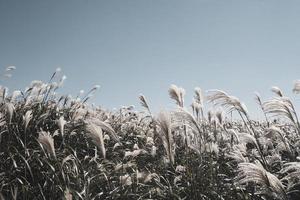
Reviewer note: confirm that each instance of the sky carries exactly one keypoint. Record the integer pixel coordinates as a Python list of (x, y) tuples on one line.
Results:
[(130, 47)]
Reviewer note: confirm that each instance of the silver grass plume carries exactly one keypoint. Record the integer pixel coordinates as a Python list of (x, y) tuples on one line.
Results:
[(199, 96), (10, 108), (199, 99), (255, 173), (47, 141), (106, 127), (277, 91), (296, 88), (291, 167), (260, 103), (282, 106), (220, 117), (219, 97), (61, 124), (275, 131), (27, 118), (177, 94), (144, 103), (237, 156), (96, 134), (164, 122), (291, 170), (187, 117)]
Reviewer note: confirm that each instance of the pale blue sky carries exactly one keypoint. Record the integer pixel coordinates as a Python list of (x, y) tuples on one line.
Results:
[(142, 46)]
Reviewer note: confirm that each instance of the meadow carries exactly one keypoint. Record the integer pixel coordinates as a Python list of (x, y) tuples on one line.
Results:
[(61, 147)]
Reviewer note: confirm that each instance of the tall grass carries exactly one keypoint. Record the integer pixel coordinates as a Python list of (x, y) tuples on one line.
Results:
[(59, 147)]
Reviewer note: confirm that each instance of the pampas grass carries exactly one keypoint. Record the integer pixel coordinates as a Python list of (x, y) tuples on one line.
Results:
[(277, 91), (61, 124), (47, 141), (177, 94), (144, 103), (96, 134), (219, 97), (10, 111), (55, 146), (296, 88), (164, 122), (269, 183)]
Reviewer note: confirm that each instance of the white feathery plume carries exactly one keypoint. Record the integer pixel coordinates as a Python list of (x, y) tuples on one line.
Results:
[(255, 173), (292, 173), (273, 159), (258, 99), (47, 141), (199, 96), (275, 131), (261, 105), (106, 127), (177, 94), (296, 88), (10, 108), (277, 91), (220, 117), (282, 106), (290, 166), (61, 124), (3, 93), (187, 117), (219, 97), (197, 109), (237, 156), (144, 102), (164, 122), (27, 118), (199, 99), (96, 134)]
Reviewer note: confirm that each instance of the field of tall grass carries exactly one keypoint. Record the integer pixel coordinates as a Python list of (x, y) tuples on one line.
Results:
[(59, 147)]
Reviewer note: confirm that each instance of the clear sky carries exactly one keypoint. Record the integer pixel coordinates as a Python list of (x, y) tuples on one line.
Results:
[(142, 46)]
